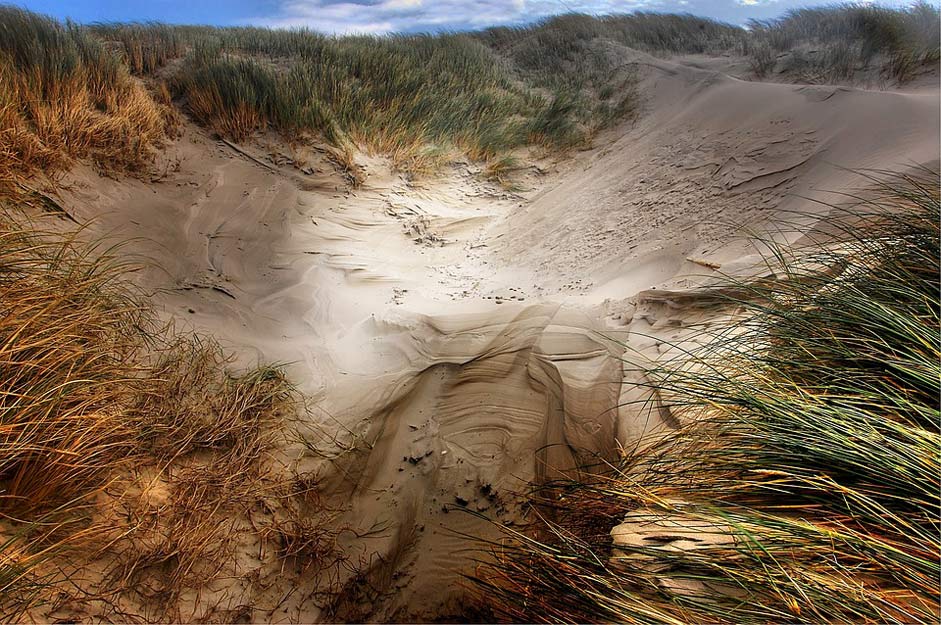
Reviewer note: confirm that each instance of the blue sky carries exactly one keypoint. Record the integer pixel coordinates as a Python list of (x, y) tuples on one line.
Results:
[(383, 16)]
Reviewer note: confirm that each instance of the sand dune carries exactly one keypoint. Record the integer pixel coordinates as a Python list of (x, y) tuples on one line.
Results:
[(458, 340)]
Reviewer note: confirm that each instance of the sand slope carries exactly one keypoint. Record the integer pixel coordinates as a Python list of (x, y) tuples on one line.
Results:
[(458, 340), (710, 156)]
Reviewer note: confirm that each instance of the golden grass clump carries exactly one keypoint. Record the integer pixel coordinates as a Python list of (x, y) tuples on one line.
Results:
[(123, 447), (186, 405), (65, 96), (69, 336), (67, 361), (145, 48), (804, 487)]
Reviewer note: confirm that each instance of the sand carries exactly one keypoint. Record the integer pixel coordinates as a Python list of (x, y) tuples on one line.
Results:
[(457, 340)]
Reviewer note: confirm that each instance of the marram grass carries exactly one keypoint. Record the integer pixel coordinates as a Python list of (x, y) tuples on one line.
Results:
[(63, 96), (811, 449), (92, 390)]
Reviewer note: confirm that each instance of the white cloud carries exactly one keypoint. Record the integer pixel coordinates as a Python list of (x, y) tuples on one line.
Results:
[(400, 4), (381, 16), (385, 16)]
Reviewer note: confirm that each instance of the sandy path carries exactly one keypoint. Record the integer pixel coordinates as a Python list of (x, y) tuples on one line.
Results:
[(454, 339)]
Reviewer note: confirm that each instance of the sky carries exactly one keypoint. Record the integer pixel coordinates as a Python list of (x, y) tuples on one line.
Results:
[(385, 16)]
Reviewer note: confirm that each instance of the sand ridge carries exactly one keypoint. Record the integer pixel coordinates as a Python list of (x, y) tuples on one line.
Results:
[(457, 340)]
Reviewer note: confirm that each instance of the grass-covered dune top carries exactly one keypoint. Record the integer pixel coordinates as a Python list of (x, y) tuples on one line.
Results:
[(64, 95), (412, 97), (68, 89), (400, 96), (832, 44), (805, 485), (553, 84)]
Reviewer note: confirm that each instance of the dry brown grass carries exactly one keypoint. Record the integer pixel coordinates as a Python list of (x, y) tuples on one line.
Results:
[(68, 341), (189, 403), (64, 97), (132, 461)]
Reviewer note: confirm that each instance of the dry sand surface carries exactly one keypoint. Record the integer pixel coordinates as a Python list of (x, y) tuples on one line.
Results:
[(457, 340)]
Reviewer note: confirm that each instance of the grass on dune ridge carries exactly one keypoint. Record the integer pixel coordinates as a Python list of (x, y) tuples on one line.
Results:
[(414, 97), (487, 93), (809, 464), (553, 84), (70, 92), (65, 96), (833, 43), (398, 96)]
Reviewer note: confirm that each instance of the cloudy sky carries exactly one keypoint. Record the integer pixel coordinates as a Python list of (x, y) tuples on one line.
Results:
[(383, 16)]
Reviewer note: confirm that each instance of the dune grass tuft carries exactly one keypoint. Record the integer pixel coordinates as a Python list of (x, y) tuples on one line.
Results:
[(804, 485), (396, 96), (67, 361), (833, 43), (94, 395), (145, 48), (65, 96)]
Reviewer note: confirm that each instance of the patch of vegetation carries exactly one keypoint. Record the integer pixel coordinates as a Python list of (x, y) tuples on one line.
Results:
[(65, 96), (804, 485), (397, 96), (411, 97), (129, 454), (834, 43)]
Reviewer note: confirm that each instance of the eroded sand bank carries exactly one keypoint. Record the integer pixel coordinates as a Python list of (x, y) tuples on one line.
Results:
[(457, 340)]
